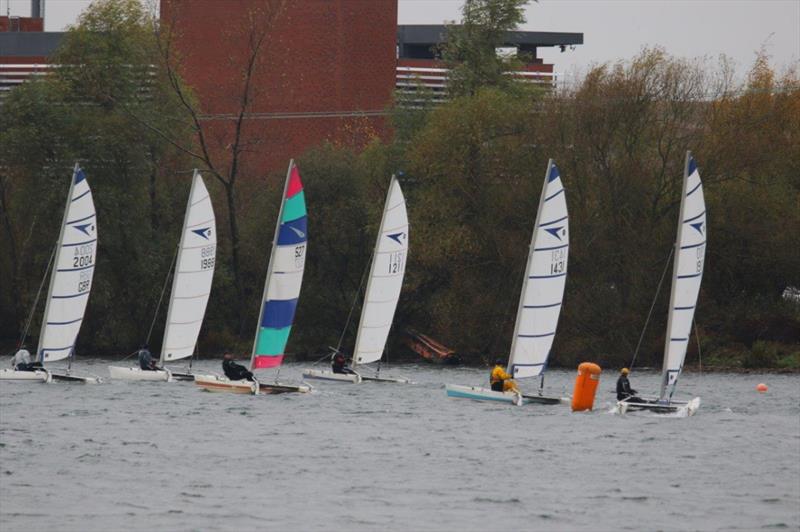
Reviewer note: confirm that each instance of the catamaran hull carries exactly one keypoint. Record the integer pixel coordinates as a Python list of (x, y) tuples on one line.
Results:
[(137, 374), (396, 380), (213, 383), (679, 408), (325, 375), (486, 394), (78, 379), (31, 376)]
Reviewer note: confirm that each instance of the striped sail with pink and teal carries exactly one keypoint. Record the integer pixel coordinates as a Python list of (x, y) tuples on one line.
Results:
[(284, 276)]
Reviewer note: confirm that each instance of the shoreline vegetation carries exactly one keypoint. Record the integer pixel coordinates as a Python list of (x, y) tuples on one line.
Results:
[(471, 168)]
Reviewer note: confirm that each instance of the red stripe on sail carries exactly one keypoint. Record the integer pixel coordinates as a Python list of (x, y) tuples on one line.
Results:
[(295, 185), (271, 361)]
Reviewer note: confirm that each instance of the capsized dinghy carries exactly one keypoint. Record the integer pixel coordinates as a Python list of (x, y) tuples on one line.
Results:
[(540, 299), (687, 273), (191, 286), (70, 286), (383, 292), (284, 279)]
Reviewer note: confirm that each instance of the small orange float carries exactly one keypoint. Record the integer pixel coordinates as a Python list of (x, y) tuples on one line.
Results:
[(762, 387)]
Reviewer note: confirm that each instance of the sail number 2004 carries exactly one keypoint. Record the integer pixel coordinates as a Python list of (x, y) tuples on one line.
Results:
[(83, 256)]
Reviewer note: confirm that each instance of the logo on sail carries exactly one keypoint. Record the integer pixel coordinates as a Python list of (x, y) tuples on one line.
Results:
[(204, 232), (557, 232), (85, 228), (298, 232), (397, 237), (698, 226)]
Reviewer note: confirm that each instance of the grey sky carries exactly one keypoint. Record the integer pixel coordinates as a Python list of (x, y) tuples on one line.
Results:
[(613, 29)]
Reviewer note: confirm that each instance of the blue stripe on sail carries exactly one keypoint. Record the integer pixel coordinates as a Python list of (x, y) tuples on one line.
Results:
[(542, 306), (678, 339), (78, 243), (63, 322), (278, 313), (79, 176), (690, 276), (293, 232), (550, 248), (693, 218), (536, 335), (683, 308), (554, 174), (695, 188), (529, 365), (554, 221), (82, 195), (693, 245), (554, 195), (43, 353), (71, 295), (76, 269), (692, 165), (82, 219), (547, 276)]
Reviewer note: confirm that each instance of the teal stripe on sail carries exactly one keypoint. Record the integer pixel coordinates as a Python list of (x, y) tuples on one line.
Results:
[(272, 341), (294, 207)]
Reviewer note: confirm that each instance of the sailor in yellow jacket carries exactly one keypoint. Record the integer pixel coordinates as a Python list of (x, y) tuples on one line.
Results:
[(500, 380)]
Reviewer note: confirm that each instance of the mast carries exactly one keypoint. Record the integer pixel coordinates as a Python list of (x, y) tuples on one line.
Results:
[(354, 362), (532, 246), (271, 261), (39, 353), (161, 359), (668, 339)]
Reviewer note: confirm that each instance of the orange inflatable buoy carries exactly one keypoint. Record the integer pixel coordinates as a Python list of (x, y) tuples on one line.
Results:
[(762, 387), (585, 386)]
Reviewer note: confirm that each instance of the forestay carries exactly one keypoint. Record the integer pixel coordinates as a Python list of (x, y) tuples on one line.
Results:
[(71, 280), (385, 278), (284, 275), (543, 285), (194, 273), (687, 273)]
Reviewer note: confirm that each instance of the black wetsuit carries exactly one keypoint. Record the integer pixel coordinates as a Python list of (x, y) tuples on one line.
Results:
[(624, 390), (236, 372), (146, 361), (341, 367)]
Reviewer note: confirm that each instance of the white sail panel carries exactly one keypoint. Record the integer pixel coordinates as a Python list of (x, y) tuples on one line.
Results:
[(385, 279), (690, 250), (71, 280), (543, 286), (194, 273)]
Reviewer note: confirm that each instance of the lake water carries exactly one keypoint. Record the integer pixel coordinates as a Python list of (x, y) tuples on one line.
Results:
[(156, 456)]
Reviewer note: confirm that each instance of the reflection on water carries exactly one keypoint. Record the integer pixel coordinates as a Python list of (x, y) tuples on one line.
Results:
[(142, 456)]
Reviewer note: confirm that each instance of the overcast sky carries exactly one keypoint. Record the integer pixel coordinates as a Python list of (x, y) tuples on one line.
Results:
[(613, 29)]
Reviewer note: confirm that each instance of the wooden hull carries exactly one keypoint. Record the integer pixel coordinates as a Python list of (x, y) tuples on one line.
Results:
[(676, 408), (24, 376), (330, 376), (213, 383), (485, 394)]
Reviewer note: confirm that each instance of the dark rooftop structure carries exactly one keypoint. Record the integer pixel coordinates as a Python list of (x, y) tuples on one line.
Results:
[(28, 44), (417, 41)]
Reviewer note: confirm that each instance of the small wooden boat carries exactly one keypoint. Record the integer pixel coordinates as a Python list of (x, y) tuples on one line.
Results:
[(215, 383)]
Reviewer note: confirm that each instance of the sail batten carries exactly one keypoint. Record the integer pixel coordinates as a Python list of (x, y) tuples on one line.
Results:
[(284, 275), (687, 274), (385, 278), (543, 284), (194, 274), (73, 271)]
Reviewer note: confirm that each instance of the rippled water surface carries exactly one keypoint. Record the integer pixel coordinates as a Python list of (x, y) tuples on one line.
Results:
[(145, 456)]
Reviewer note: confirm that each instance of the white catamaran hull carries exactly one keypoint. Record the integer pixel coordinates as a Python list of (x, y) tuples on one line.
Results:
[(138, 374), (326, 375), (679, 408), (486, 394), (397, 380), (214, 383), (14, 375)]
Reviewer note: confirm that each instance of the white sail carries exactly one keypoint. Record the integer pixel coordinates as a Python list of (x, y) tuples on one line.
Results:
[(194, 272), (543, 285), (385, 278), (687, 273), (71, 280)]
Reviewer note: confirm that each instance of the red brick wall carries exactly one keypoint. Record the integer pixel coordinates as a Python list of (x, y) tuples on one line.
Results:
[(320, 56), (25, 24)]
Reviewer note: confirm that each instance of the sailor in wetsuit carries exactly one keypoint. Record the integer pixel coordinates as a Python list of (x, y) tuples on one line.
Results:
[(624, 390), (339, 365), (500, 380), (234, 371), (146, 361), (22, 360)]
